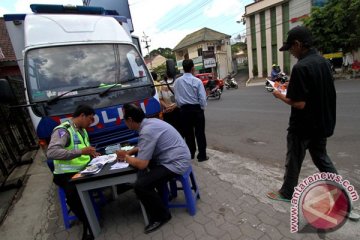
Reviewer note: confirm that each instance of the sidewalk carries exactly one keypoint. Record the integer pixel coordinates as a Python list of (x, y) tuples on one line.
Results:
[(261, 81), (223, 212)]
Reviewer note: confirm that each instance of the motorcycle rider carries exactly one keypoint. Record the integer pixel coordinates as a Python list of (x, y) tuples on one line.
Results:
[(210, 85), (228, 79), (230, 82), (275, 72)]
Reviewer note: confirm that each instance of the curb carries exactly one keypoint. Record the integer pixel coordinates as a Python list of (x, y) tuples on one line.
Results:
[(257, 82)]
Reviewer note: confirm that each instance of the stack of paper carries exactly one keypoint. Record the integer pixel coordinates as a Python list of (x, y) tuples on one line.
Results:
[(103, 159), (93, 169), (98, 163)]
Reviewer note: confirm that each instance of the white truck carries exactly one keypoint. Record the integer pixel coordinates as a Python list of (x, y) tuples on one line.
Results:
[(72, 55)]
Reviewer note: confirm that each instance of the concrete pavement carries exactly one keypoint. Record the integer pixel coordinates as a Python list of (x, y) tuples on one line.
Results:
[(258, 81), (231, 207)]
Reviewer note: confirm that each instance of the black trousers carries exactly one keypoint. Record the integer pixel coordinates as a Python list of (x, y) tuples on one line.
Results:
[(193, 119), (145, 189), (173, 118), (296, 150), (72, 196)]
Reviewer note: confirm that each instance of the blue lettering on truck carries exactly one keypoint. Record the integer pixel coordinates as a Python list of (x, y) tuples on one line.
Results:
[(108, 127)]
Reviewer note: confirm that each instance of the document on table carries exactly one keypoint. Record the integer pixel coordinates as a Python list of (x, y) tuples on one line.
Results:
[(97, 164), (119, 165), (127, 148), (103, 159), (92, 169)]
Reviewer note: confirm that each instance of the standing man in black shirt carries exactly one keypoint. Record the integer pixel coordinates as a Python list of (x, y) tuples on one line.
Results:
[(312, 97)]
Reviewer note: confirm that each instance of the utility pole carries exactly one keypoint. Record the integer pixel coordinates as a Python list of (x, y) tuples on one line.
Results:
[(147, 46)]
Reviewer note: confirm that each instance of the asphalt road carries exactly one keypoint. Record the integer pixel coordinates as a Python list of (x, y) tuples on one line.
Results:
[(250, 123)]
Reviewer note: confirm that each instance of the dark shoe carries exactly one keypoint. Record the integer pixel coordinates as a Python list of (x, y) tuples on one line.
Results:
[(87, 234), (203, 159), (155, 225), (88, 237), (124, 187)]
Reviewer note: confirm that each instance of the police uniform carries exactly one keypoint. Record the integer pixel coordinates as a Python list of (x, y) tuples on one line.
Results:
[(65, 150)]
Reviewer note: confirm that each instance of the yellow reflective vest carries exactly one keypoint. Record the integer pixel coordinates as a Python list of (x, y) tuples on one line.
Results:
[(77, 141)]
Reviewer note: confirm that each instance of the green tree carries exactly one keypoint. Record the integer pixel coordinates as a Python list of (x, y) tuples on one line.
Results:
[(237, 47), (336, 25), (165, 52), (160, 71)]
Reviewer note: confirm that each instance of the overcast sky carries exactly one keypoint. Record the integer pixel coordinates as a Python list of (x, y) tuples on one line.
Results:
[(166, 22)]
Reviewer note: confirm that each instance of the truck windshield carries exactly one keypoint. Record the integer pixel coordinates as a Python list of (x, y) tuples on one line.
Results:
[(55, 72)]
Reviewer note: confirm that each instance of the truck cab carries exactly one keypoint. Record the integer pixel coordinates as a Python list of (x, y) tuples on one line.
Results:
[(80, 56)]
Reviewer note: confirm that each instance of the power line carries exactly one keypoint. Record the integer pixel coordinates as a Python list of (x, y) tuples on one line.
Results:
[(266, 19), (184, 18), (182, 14), (220, 21)]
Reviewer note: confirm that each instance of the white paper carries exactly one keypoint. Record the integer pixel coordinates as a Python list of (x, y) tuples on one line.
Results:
[(103, 159), (278, 88), (119, 165), (98, 163), (93, 169), (127, 148)]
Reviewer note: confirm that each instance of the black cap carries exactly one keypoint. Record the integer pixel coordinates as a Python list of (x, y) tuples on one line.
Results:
[(300, 33)]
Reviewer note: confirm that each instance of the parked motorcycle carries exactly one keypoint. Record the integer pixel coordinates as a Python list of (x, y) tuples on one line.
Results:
[(231, 83), (281, 78), (213, 90)]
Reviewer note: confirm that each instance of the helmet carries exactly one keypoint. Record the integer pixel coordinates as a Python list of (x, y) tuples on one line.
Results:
[(274, 65)]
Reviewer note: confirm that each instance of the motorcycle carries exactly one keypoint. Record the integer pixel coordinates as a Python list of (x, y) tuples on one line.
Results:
[(281, 78), (231, 83), (213, 92)]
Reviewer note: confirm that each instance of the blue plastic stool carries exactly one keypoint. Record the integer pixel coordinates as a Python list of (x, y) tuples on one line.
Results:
[(67, 217), (190, 188)]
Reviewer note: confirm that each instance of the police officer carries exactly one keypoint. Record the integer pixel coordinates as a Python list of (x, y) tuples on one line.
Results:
[(70, 150)]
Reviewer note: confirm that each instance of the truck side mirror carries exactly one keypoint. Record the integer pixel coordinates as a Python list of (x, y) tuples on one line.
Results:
[(170, 68), (6, 93)]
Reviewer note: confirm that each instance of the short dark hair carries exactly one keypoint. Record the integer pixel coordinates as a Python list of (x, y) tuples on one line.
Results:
[(85, 109), (188, 64), (154, 75), (134, 111)]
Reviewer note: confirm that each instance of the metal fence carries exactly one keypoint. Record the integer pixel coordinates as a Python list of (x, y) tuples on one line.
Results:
[(17, 135)]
